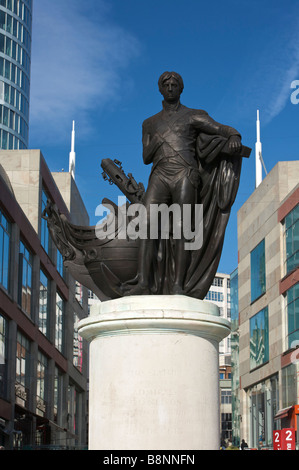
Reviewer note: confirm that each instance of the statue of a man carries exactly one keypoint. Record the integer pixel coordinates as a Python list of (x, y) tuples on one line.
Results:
[(196, 163), (170, 143)]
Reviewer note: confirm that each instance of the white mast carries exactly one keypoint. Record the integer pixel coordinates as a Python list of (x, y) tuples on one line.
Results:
[(72, 159), (258, 153)]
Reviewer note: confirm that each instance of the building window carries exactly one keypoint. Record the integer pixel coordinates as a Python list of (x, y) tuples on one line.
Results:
[(263, 406), (291, 227), (258, 271), (59, 324), (58, 384), (74, 400), (44, 236), (42, 363), (44, 303), (79, 293), (217, 281), (25, 278), (22, 370), (3, 356), (292, 298), (259, 339), (226, 426), (226, 397), (77, 345), (234, 291), (289, 386), (5, 233), (59, 264), (215, 296)]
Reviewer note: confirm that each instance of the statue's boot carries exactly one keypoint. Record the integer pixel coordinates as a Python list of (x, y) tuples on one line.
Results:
[(139, 289), (177, 290)]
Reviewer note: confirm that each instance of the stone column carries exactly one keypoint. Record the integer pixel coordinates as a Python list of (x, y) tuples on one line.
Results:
[(154, 373)]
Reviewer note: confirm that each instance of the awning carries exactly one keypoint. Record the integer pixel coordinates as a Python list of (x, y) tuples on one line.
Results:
[(283, 413)]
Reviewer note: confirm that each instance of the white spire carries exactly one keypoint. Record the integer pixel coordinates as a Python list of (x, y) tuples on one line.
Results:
[(72, 159), (258, 153)]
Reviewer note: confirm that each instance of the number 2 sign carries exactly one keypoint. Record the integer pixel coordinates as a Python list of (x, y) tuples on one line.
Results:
[(288, 439), (277, 440), (284, 439)]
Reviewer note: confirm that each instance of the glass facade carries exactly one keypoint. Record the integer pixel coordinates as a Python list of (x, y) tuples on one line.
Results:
[(289, 385), (44, 231), (292, 299), (291, 226), (79, 293), (74, 399), (263, 406), (59, 264), (5, 231), (77, 345), (59, 325), (42, 364), (15, 65), (258, 271), (259, 339), (25, 278), (44, 303), (58, 393), (22, 370), (234, 299), (3, 356)]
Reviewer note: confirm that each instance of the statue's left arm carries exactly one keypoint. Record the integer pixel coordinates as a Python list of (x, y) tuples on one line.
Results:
[(208, 125)]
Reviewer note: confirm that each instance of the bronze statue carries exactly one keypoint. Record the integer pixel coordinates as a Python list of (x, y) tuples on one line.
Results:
[(195, 160)]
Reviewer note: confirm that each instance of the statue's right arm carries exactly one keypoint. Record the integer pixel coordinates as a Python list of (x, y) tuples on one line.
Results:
[(150, 144)]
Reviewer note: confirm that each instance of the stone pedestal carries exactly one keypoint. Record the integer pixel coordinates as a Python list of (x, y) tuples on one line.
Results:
[(154, 373)]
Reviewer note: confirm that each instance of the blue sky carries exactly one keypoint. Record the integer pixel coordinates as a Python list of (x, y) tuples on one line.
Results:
[(98, 62)]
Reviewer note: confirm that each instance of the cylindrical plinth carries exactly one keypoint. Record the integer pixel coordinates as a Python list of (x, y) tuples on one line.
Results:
[(154, 373)]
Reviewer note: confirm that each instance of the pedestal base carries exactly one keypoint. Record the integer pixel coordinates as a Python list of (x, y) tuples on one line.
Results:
[(154, 373)]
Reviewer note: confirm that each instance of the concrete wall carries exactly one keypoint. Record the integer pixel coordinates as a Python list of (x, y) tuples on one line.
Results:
[(23, 169), (72, 198)]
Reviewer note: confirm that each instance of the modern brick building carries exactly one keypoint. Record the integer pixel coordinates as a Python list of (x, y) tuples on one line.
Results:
[(43, 361)]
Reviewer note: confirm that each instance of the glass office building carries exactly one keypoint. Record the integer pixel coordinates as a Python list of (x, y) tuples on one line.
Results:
[(15, 62)]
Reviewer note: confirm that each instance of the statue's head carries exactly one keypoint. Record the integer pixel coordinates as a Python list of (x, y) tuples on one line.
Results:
[(170, 85)]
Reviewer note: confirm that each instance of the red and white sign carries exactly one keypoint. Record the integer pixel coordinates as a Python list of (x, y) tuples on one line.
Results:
[(277, 440), (288, 439)]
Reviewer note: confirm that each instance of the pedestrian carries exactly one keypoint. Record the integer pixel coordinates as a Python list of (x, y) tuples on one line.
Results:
[(243, 444)]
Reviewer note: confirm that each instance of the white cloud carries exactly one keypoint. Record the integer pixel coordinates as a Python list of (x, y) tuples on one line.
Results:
[(77, 61), (288, 71)]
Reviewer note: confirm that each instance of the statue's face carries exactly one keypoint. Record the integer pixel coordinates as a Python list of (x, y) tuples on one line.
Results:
[(170, 90)]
